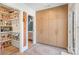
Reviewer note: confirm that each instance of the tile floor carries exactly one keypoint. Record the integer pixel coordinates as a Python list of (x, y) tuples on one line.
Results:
[(30, 43), (41, 49)]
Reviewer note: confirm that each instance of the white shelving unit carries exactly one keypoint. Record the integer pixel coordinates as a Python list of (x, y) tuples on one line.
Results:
[(11, 28)]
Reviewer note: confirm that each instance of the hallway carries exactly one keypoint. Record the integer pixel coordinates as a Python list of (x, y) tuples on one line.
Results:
[(41, 49)]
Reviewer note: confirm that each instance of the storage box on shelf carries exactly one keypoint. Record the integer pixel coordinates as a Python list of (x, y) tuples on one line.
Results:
[(5, 23), (4, 13), (5, 26), (7, 15), (5, 40), (3, 10), (14, 15)]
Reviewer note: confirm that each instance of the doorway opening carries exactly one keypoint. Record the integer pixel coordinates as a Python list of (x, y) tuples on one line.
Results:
[(9, 30), (30, 31)]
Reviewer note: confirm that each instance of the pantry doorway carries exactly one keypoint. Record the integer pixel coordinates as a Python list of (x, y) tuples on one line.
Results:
[(9, 30)]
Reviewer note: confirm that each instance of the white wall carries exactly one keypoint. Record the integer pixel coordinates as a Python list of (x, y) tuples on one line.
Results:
[(23, 7), (70, 26), (77, 28)]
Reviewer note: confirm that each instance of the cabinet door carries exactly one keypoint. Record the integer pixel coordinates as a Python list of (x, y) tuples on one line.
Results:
[(45, 27), (42, 27), (39, 28), (62, 30), (52, 27)]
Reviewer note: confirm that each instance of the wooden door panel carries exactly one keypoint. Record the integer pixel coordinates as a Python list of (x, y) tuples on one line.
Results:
[(39, 28), (52, 27), (42, 26), (45, 27), (61, 41), (62, 29)]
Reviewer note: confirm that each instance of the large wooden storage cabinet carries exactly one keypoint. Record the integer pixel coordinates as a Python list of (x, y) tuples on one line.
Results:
[(52, 26)]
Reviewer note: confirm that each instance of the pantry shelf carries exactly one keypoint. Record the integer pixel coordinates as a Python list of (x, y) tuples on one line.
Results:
[(9, 27), (9, 32), (5, 26), (2, 41), (4, 12)]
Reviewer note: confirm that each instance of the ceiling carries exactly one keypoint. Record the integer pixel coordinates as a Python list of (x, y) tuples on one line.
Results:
[(40, 6), (7, 7)]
